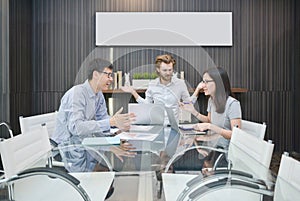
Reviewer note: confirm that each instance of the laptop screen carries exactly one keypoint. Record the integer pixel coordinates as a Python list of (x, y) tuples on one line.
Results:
[(148, 114)]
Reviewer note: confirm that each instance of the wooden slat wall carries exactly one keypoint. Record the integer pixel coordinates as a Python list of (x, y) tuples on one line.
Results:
[(296, 77), (4, 65), (262, 58), (20, 60)]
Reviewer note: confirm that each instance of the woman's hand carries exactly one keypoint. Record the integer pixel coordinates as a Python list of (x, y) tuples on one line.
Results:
[(202, 126), (198, 89), (200, 85), (188, 106)]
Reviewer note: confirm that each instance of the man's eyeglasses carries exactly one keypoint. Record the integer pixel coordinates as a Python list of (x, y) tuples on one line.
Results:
[(109, 75), (207, 81)]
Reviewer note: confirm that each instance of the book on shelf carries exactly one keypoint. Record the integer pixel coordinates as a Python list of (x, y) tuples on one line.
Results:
[(119, 79), (115, 80), (111, 106)]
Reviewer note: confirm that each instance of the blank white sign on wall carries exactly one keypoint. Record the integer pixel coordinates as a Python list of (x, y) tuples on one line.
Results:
[(164, 28)]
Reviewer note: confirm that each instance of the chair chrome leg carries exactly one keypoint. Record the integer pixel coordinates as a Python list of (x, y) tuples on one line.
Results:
[(10, 192)]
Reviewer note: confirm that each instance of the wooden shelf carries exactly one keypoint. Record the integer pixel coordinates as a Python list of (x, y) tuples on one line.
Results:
[(111, 91), (239, 90)]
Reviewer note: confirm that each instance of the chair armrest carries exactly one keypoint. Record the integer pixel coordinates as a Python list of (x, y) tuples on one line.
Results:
[(235, 172), (218, 172), (55, 151), (228, 183), (51, 172), (53, 143), (176, 155), (8, 128), (220, 175)]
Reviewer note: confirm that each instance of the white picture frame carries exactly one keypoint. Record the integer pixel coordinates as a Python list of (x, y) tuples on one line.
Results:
[(163, 28)]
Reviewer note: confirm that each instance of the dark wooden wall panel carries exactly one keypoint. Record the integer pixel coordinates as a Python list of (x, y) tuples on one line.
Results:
[(296, 76), (4, 66), (20, 60), (263, 57)]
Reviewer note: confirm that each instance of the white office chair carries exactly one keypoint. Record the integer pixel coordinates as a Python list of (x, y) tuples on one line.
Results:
[(27, 124), (287, 187), (257, 152), (24, 156), (30, 123), (257, 130), (253, 128), (249, 160)]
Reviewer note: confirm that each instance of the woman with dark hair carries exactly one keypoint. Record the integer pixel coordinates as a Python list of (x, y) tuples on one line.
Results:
[(224, 111)]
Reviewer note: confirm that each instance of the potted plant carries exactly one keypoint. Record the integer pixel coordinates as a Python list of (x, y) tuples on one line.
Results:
[(141, 80)]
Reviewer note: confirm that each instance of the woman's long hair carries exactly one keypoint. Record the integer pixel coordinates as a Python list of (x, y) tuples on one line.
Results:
[(223, 88)]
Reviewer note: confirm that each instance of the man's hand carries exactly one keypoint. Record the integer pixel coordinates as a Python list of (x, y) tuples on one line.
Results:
[(122, 121), (126, 146), (119, 152), (131, 90), (127, 89)]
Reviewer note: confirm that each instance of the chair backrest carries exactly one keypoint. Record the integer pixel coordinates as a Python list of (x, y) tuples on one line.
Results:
[(287, 187), (250, 154), (30, 123), (24, 150), (256, 129)]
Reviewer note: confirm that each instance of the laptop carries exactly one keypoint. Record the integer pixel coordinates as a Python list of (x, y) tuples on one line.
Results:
[(148, 114), (173, 144), (183, 129)]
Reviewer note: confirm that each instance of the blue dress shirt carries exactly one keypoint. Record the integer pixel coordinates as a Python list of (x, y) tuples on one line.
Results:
[(82, 113)]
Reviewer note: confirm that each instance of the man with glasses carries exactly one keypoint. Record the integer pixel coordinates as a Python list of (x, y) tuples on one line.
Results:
[(83, 112)]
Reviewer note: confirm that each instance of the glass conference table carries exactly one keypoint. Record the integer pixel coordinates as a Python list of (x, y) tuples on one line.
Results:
[(148, 172), (138, 170)]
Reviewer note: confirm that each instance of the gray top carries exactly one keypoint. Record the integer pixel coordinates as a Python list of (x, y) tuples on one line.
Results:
[(232, 111)]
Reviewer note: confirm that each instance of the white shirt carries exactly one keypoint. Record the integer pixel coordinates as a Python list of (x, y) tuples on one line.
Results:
[(169, 94)]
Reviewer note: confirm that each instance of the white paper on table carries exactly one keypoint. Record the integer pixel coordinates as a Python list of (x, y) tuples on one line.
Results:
[(137, 136), (94, 141), (114, 130), (140, 128)]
